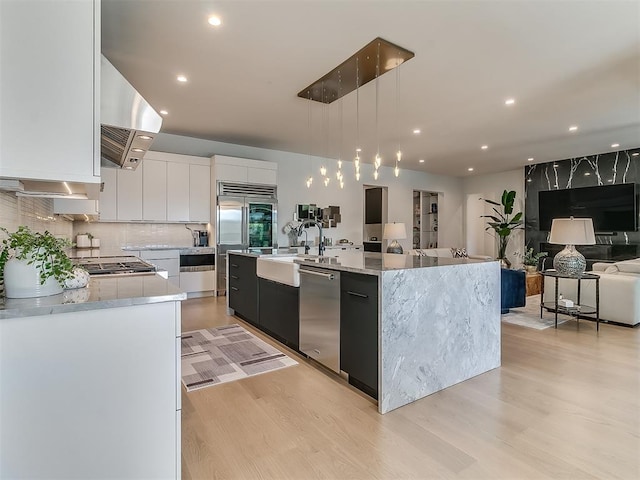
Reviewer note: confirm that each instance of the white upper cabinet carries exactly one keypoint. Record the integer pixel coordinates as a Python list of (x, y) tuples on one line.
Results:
[(243, 170), (49, 86), (129, 194), (178, 192), (108, 195), (199, 193), (154, 190)]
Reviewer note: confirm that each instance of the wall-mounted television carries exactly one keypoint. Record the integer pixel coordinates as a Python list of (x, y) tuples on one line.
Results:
[(613, 208)]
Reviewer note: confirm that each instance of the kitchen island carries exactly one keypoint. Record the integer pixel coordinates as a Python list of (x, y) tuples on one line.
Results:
[(417, 324), (90, 381)]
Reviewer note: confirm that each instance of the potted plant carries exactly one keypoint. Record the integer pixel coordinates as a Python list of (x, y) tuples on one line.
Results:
[(33, 264), (530, 260), (503, 224)]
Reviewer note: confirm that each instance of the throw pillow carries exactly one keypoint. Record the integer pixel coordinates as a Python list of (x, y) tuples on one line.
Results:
[(459, 253), (628, 267), (611, 269)]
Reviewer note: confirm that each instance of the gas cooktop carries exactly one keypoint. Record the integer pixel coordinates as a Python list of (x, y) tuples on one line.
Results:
[(115, 266)]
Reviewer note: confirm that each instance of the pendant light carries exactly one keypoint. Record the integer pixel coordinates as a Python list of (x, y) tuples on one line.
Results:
[(396, 170), (356, 160), (377, 160), (310, 178), (323, 169)]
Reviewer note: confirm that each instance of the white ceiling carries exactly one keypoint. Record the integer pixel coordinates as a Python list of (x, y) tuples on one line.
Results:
[(565, 62)]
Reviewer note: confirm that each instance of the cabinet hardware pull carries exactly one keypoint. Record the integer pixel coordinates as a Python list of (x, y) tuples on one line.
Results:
[(356, 294), (329, 276), (234, 277), (234, 288), (234, 265)]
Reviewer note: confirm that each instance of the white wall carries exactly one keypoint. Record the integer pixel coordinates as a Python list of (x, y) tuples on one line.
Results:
[(294, 169), (491, 187), (35, 213)]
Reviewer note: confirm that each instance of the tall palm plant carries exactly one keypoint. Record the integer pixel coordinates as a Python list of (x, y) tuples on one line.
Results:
[(503, 224)]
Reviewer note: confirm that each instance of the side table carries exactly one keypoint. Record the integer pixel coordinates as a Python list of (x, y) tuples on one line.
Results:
[(577, 309)]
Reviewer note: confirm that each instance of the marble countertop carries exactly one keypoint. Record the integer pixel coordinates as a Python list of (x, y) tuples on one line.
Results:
[(372, 263), (269, 252), (111, 292), (127, 251)]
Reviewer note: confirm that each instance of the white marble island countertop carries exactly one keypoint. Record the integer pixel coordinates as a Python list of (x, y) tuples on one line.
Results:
[(371, 263), (119, 291)]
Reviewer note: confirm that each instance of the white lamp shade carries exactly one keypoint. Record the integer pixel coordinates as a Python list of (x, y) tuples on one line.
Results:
[(394, 231), (572, 231)]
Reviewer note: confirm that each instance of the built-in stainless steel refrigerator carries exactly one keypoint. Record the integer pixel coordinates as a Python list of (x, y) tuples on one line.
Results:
[(246, 218)]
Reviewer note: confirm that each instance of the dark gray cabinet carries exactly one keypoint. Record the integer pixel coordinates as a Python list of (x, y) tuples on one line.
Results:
[(243, 287), (359, 330), (373, 205), (279, 311)]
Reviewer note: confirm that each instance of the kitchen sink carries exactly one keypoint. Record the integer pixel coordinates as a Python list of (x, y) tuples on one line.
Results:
[(279, 269)]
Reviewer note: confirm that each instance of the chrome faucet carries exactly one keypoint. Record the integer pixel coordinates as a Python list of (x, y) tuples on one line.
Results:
[(321, 238)]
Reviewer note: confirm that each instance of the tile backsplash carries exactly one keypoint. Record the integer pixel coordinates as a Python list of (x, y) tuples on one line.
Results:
[(36, 213), (116, 235)]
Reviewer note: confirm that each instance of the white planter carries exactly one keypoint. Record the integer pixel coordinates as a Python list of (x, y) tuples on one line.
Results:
[(22, 280)]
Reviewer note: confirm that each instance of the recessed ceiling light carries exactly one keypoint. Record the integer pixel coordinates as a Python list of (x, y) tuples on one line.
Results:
[(421, 160), (164, 112), (215, 20), (530, 159), (138, 150), (586, 174), (573, 128), (416, 131), (615, 145), (635, 154), (181, 78), (128, 168), (510, 101), (470, 169), (358, 149), (610, 180), (484, 147), (555, 165), (144, 137), (529, 180)]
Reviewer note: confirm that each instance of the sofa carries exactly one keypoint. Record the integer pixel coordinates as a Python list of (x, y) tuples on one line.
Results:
[(445, 252), (619, 291)]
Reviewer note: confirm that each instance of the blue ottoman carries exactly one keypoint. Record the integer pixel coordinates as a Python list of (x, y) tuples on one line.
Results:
[(513, 285)]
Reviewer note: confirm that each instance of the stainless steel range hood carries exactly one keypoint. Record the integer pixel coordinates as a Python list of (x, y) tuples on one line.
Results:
[(128, 123)]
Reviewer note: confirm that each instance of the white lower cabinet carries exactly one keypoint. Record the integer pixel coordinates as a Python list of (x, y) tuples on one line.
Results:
[(168, 260), (91, 394), (192, 282)]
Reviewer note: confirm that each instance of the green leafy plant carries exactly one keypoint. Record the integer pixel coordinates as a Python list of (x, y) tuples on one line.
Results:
[(532, 259), (502, 223), (43, 250)]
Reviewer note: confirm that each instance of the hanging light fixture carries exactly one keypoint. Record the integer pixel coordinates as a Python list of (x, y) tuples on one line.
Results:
[(396, 170), (377, 160), (356, 160), (310, 177), (339, 82), (323, 169)]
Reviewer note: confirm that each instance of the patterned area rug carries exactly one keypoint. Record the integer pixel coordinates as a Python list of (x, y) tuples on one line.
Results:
[(529, 315), (224, 354)]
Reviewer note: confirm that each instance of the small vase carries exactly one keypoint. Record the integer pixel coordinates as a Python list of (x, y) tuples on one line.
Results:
[(504, 262), (531, 269)]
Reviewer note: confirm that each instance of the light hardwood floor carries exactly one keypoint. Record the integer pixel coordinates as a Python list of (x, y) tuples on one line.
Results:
[(564, 404)]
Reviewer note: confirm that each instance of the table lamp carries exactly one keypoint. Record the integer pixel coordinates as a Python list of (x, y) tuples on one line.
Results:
[(394, 231), (571, 232)]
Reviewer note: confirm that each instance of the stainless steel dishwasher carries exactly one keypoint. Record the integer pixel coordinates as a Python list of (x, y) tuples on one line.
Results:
[(320, 315)]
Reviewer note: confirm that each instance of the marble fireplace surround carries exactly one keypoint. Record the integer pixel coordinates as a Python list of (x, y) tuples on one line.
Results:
[(593, 170)]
